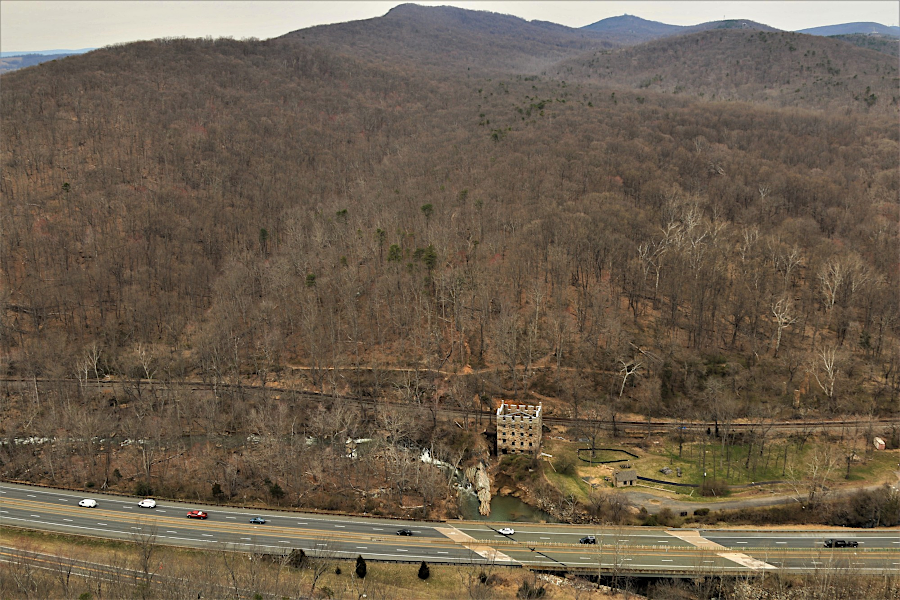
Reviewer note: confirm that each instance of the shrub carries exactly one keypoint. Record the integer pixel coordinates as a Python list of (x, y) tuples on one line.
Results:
[(667, 518), (520, 467), (142, 488), (531, 590), (297, 558), (276, 492), (701, 512), (217, 492), (424, 571), (564, 465), (875, 508), (360, 567)]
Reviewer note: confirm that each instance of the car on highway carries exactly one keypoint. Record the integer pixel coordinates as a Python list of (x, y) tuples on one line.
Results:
[(87, 503), (258, 521), (197, 514), (841, 544), (147, 503), (507, 531), (588, 539), (404, 532)]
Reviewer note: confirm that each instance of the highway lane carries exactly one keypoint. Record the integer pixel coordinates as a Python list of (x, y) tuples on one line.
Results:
[(867, 538), (120, 518), (619, 549)]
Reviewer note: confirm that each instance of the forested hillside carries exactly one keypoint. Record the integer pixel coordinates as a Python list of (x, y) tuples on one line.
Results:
[(452, 40), (778, 69), (301, 211)]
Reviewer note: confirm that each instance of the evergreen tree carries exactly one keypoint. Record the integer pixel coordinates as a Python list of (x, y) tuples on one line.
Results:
[(424, 571), (360, 567)]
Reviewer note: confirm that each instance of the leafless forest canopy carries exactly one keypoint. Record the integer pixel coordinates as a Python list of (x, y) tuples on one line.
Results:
[(295, 211)]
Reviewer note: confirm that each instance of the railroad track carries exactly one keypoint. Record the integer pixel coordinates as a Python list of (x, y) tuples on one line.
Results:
[(627, 427)]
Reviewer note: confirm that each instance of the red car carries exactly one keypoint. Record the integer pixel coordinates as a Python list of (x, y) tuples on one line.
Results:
[(197, 514)]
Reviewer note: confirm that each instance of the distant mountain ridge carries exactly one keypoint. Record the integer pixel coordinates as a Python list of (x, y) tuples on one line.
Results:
[(448, 37), (851, 28), (13, 61), (44, 52), (630, 30)]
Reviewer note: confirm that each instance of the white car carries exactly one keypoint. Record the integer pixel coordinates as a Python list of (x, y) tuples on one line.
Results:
[(506, 531), (87, 503), (147, 503)]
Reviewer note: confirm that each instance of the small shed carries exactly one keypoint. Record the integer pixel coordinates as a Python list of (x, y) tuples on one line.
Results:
[(879, 443), (626, 477)]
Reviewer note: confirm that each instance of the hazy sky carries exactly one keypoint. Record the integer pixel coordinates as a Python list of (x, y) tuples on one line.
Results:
[(31, 25)]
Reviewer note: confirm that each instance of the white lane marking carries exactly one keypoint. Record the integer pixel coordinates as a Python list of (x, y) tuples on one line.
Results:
[(543, 538), (206, 534), (104, 524), (706, 561), (4, 511), (171, 531), (62, 499), (38, 516), (895, 542), (378, 529), (662, 541), (362, 547), (128, 507), (584, 557), (439, 552), (69, 520), (627, 559), (159, 510), (319, 544), (30, 496), (402, 550), (667, 560), (781, 542), (287, 542), (299, 523), (340, 525), (135, 527), (742, 542), (188, 539), (248, 539)]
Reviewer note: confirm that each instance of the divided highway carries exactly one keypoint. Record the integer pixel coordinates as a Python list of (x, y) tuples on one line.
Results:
[(542, 546)]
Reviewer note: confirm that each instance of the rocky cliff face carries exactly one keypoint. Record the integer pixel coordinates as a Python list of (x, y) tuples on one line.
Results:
[(479, 478)]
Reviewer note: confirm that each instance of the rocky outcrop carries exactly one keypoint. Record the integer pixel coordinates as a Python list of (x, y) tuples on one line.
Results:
[(482, 483)]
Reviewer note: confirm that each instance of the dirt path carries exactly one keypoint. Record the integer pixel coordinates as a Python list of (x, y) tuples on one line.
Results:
[(655, 503)]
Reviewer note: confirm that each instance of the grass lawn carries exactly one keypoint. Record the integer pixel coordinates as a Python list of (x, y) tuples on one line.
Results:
[(728, 464), (878, 466)]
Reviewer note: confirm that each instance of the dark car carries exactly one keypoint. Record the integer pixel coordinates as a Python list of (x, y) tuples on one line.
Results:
[(588, 539), (197, 514), (841, 544), (404, 532), (258, 521)]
